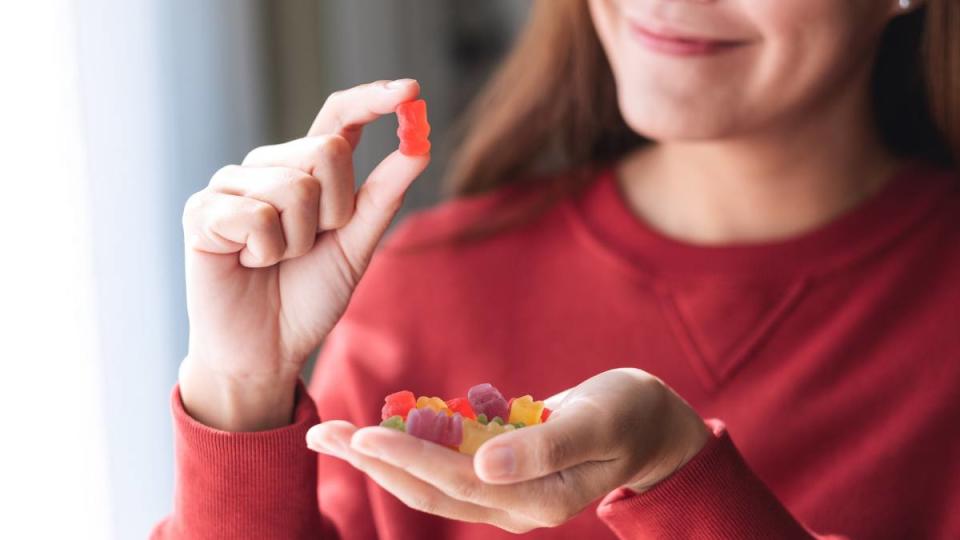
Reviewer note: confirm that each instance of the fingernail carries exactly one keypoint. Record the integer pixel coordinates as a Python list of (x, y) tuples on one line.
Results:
[(499, 462), (313, 439), (399, 83), (326, 443)]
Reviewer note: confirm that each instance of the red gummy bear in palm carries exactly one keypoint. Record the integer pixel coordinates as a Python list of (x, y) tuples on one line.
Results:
[(544, 415), (487, 400), (436, 427), (413, 128), (398, 404), (462, 406)]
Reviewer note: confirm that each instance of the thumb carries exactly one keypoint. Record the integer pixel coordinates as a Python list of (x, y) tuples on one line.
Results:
[(378, 200), (568, 439)]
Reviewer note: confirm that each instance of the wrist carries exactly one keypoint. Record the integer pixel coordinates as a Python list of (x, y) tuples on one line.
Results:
[(230, 402), (686, 435)]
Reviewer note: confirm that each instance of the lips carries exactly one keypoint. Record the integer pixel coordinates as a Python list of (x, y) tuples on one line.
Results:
[(667, 41)]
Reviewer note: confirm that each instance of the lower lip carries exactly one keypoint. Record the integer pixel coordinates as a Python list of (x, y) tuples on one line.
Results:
[(680, 47)]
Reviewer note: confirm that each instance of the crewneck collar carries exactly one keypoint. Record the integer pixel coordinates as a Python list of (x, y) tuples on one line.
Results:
[(604, 217)]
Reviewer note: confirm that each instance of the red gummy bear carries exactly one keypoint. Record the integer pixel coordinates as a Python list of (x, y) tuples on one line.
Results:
[(462, 406), (544, 415), (398, 404), (413, 128)]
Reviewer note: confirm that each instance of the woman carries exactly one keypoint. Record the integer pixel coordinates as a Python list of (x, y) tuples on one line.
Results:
[(728, 228)]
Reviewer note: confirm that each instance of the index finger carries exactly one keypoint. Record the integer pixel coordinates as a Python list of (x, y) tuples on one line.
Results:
[(345, 112), (546, 500)]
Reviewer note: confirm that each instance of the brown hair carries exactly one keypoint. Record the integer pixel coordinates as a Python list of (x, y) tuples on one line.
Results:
[(552, 106)]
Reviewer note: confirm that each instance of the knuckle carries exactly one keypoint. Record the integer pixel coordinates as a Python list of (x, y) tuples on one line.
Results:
[(262, 216), (299, 244), (192, 208), (336, 148), (554, 451), (330, 148), (304, 187), (333, 98), (298, 250), (465, 490), (268, 252), (554, 515), (222, 174), (254, 155), (192, 240), (656, 397)]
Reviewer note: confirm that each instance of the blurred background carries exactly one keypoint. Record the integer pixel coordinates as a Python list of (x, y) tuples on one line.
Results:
[(113, 113)]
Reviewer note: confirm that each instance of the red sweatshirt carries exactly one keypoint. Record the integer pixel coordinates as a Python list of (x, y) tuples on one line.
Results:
[(828, 366)]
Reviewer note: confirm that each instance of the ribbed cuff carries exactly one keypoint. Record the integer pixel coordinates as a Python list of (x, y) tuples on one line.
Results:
[(245, 485), (715, 495), (206, 439)]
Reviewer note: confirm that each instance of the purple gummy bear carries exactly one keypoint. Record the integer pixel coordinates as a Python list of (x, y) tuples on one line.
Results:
[(486, 399), (434, 426)]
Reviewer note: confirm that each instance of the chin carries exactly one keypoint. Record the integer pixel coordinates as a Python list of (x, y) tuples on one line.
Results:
[(666, 122)]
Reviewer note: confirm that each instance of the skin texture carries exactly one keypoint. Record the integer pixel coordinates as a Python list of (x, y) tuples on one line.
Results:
[(621, 427), (274, 249), (768, 139), (765, 140)]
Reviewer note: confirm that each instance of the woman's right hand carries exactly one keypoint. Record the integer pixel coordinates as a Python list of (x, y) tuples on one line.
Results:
[(274, 250)]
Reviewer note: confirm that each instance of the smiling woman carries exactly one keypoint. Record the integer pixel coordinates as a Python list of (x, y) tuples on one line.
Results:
[(691, 222)]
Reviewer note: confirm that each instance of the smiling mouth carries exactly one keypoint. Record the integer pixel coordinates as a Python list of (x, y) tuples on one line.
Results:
[(667, 42)]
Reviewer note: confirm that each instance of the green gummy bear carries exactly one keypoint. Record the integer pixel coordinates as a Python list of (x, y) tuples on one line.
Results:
[(498, 420), (394, 422), (482, 418), (519, 425)]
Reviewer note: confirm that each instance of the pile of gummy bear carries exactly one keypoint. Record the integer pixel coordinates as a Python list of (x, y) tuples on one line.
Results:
[(461, 424)]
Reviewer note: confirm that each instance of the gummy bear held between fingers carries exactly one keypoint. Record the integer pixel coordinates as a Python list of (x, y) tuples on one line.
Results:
[(413, 129)]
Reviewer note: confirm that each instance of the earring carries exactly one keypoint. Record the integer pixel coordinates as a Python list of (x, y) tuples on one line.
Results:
[(904, 4)]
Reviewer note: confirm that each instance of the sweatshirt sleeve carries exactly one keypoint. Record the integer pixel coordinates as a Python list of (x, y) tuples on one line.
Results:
[(715, 495), (256, 485)]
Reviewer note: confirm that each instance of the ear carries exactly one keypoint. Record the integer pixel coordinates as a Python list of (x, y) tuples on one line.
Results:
[(902, 7)]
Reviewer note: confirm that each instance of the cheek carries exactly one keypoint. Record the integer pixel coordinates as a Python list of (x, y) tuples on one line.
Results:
[(669, 97), (800, 50), (813, 50), (665, 98)]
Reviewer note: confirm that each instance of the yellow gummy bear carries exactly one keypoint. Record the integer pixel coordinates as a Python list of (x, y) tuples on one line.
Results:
[(475, 434), (434, 403), (525, 409)]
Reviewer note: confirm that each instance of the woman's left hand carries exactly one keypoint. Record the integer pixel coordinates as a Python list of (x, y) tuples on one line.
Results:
[(623, 427)]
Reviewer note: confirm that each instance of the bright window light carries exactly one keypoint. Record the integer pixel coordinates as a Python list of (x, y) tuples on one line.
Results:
[(52, 459)]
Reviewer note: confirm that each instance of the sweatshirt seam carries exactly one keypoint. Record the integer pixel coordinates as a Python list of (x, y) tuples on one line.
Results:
[(832, 263)]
